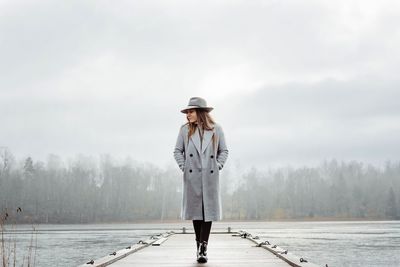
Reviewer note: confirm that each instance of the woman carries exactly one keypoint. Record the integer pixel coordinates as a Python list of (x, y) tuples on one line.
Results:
[(201, 153)]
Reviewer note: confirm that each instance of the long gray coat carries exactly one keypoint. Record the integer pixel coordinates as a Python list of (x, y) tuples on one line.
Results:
[(201, 172)]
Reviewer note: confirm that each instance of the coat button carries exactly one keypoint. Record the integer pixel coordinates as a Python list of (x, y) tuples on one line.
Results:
[(212, 171), (190, 170), (212, 156), (191, 155)]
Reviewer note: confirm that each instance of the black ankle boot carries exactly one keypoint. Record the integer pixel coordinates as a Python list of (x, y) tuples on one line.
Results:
[(203, 252), (198, 249)]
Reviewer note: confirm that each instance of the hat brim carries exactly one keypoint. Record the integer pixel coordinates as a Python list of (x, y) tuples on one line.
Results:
[(208, 109)]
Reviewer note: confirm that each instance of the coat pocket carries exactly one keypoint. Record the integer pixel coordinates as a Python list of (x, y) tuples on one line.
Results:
[(219, 166)]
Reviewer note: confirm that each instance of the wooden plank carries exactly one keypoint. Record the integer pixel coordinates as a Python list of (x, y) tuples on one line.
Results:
[(237, 249), (179, 250)]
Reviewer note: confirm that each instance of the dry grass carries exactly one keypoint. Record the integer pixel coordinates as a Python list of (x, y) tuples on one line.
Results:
[(8, 242)]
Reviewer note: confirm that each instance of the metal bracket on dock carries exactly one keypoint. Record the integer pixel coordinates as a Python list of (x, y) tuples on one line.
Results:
[(160, 241), (266, 242)]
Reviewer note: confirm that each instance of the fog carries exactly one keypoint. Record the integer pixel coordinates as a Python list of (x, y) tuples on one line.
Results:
[(292, 83), (89, 190)]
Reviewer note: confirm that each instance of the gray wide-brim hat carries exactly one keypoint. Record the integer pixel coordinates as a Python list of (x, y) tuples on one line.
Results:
[(197, 102)]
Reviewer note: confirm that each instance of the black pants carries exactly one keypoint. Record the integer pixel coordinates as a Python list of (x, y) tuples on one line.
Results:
[(202, 228)]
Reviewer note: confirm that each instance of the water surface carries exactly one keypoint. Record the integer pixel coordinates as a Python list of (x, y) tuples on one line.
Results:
[(348, 243)]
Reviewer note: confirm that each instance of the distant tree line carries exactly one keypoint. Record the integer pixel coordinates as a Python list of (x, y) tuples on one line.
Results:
[(85, 190)]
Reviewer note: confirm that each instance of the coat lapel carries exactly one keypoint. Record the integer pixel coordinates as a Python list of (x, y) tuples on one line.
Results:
[(207, 138), (196, 139)]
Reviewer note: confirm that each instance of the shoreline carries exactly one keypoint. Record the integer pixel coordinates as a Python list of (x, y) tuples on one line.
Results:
[(221, 221)]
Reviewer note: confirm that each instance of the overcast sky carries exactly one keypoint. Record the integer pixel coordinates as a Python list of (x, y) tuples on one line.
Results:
[(291, 82)]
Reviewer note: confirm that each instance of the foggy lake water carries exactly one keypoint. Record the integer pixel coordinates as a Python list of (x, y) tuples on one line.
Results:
[(344, 243)]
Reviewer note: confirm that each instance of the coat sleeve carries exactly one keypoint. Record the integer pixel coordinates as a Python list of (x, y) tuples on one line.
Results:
[(222, 151), (179, 151)]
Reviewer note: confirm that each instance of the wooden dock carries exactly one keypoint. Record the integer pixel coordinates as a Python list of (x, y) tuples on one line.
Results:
[(236, 249)]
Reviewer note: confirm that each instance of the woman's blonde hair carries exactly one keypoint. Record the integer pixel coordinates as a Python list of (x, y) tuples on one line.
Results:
[(205, 120)]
